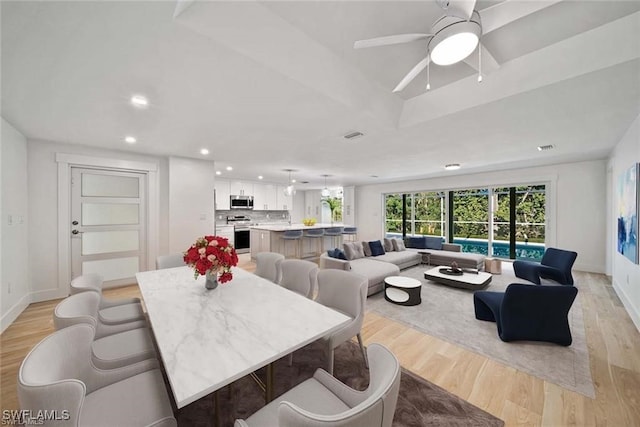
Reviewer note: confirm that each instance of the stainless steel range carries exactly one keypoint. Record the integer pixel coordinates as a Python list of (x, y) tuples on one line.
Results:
[(240, 232)]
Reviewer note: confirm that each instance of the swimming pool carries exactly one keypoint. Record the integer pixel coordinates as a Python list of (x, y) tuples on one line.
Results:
[(525, 251)]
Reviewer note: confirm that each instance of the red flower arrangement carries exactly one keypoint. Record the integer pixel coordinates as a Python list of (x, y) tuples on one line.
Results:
[(212, 254)]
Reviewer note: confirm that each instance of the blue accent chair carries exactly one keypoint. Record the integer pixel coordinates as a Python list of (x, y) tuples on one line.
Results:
[(555, 265), (528, 312)]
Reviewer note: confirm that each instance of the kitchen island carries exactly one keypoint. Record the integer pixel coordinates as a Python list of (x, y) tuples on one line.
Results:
[(268, 238)]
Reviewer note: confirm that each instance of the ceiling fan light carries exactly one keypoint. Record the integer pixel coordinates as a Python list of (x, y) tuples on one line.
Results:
[(454, 39), (454, 48)]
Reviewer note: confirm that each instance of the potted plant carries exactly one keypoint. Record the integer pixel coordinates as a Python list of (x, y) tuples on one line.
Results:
[(335, 204)]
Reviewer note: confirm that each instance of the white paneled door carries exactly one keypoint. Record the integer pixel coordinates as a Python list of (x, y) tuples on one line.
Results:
[(108, 224)]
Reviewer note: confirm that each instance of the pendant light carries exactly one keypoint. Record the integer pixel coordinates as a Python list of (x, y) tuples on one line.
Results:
[(290, 189), (325, 191)]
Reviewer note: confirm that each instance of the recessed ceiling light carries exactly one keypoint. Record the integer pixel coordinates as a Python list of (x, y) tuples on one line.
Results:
[(130, 140), (204, 151), (229, 168), (452, 166), (293, 180), (373, 176), (260, 177), (545, 147), (139, 101), (218, 173)]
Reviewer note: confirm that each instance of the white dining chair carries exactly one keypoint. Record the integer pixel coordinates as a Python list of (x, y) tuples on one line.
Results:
[(170, 261), (345, 292), (116, 311), (57, 375), (325, 401), (114, 346), (298, 275), (266, 265)]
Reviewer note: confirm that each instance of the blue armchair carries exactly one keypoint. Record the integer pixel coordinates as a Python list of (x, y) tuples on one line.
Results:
[(528, 312), (555, 265)]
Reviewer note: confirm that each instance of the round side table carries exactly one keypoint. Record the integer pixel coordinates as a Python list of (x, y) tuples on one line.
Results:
[(402, 290)]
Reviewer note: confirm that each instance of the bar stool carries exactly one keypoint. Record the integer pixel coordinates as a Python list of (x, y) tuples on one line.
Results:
[(334, 233), (317, 233), (351, 232), (292, 235)]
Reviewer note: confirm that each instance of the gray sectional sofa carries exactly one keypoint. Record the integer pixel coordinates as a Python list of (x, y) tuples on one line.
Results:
[(376, 268)]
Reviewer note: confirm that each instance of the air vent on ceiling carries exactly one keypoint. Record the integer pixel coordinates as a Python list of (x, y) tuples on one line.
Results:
[(545, 147), (353, 135)]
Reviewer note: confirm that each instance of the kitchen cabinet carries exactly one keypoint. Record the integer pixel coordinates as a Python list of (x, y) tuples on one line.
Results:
[(222, 187), (313, 204), (265, 197), (284, 202), (260, 241), (241, 188)]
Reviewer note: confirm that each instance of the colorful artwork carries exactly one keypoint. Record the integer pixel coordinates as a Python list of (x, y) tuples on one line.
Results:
[(628, 190)]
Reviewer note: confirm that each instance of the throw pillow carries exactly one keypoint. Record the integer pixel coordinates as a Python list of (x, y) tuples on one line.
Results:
[(434, 243), (332, 253), (359, 250), (340, 254), (388, 245), (398, 245), (376, 248), (417, 242), (366, 249), (353, 250)]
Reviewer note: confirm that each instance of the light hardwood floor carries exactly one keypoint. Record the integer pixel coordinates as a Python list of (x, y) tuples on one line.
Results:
[(515, 397)]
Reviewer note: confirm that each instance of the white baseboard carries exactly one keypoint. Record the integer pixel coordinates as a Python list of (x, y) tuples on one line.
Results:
[(590, 268), (48, 294), (14, 312), (631, 310)]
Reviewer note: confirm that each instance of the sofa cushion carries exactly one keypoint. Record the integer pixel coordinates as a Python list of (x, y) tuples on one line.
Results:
[(398, 245), (374, 270), (388, 245), (417, 242), (402, 259), (353, 250), (366, 248), (433, 242), (376, 248)]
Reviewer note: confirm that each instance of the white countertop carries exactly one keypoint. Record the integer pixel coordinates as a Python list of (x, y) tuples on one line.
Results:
[(210, 338), (286, 227)]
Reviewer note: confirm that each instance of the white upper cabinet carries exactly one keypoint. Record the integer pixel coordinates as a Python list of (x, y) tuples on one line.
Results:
[(241, 188), (222, 187), (265, 197), (284, 202)]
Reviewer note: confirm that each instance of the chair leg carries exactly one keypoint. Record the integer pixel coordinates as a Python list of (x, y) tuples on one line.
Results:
[(364, 353), (330, 360)]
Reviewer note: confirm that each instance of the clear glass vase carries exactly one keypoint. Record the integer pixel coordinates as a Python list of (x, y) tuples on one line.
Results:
[(211, 280)]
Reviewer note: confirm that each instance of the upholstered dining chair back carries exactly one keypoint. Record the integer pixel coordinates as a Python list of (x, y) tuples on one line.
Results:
[(84, 308), (325, 401), (87, 282), (298, 275), (57, 375), (346, 292), (169, 261), (267, 265)]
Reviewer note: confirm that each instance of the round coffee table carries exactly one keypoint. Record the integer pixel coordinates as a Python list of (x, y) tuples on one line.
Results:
[(402, 290)]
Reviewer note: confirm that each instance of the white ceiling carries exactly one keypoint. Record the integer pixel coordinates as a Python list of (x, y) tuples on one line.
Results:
[(274, 85)]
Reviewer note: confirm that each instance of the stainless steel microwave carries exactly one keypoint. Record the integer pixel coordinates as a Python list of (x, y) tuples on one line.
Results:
[(241, 202)]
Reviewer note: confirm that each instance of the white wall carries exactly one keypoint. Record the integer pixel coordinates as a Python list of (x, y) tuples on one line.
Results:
[(576, 195), (625, 274), (15, 255), (191, 186), (43, 207)]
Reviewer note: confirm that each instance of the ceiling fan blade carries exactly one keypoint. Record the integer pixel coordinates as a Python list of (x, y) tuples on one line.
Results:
[(489, 63), (508, 11), (412, 74), (461, 8), (384, 41)]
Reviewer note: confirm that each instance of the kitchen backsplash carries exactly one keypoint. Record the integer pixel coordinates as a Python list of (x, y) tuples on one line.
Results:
[(258, 217)]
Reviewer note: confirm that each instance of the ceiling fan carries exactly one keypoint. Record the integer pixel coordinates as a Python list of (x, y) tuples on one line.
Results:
[(456, 35)]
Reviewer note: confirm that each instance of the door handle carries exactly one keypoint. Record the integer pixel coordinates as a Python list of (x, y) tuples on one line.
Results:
[(74, 223), (75, 232)]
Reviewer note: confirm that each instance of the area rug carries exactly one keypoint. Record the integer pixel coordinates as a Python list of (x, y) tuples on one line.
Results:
[(420, 403), (447, 313)]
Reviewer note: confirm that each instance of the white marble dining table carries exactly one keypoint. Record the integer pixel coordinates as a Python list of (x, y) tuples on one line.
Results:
[(209, 338)]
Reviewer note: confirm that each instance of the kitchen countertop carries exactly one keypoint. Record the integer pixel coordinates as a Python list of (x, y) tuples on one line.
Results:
[(286, 227)]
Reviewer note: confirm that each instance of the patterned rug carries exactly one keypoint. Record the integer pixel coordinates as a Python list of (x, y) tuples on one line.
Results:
[(420, 403)]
